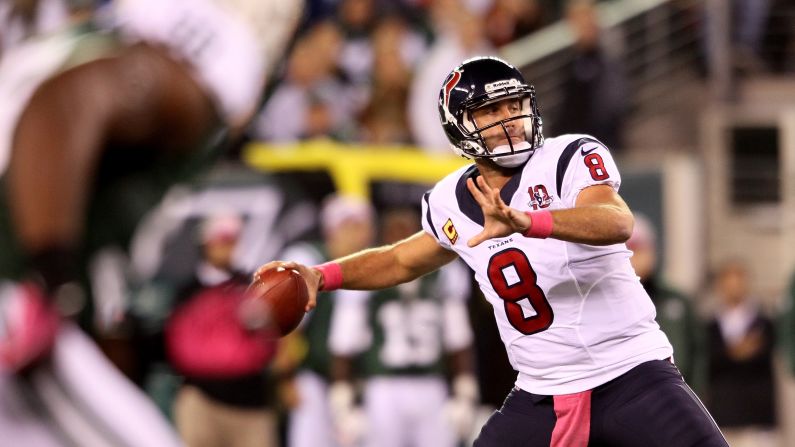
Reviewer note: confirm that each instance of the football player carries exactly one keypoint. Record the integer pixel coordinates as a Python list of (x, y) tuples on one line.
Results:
[(542, 226), (401, 342), (347, 225), (96, 122)]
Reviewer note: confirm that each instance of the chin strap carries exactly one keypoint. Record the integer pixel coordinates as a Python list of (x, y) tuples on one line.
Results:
[(513, 160)]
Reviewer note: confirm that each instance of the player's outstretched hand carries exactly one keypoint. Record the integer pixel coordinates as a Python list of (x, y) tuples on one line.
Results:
[(311, 277), (500, 220)]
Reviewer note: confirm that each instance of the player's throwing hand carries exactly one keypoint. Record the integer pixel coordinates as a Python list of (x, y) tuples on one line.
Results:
[(500, 220), (310, 275)]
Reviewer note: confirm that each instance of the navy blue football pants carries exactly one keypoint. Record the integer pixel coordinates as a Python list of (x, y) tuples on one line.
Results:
[(649, 406)]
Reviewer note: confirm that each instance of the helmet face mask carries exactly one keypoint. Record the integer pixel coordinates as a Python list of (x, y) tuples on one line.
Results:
[(480, 83), (522, 119)]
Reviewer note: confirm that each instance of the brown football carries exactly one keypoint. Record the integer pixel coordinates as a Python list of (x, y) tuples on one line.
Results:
[(284, 293)]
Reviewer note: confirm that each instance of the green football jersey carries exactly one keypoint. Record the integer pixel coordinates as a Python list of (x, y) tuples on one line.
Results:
[(317, 323), (316, 331), (785, 331), (407, 325)]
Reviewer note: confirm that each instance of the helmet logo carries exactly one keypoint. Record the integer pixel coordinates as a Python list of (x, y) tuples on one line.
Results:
[(448, 87), (505, 83)]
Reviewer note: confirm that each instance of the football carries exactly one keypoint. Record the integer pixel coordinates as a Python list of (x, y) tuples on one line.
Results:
[(284, 293)]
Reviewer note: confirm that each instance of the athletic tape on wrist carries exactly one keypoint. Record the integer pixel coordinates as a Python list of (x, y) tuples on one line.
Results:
[(540, 224), (332, 275)]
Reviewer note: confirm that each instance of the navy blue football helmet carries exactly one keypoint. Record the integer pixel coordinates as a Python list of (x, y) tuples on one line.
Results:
[(478, 82)]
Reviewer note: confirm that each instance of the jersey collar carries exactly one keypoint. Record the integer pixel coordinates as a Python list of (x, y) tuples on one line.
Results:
[(467, 203)]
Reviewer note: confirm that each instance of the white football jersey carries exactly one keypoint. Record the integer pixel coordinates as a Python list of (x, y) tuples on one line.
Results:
[(572, 316)]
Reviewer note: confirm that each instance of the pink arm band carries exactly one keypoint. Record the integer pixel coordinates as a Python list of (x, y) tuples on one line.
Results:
[(540, 224), (332, 275)]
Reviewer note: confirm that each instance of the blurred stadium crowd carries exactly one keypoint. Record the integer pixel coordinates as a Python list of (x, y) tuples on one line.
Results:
[(346, 140)]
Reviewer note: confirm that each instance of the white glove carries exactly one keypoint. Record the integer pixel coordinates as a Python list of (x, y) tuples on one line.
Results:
[(347, 418), (461, 408)]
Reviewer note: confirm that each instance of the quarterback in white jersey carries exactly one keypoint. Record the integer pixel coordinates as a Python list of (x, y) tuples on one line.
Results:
[(541, 225), (572, 316)]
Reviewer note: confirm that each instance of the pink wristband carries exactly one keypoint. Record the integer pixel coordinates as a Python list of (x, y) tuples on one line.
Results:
[(540, 224), (332, 275)]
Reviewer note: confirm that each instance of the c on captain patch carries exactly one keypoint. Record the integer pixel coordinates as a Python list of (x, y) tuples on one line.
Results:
[(450, 231)]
